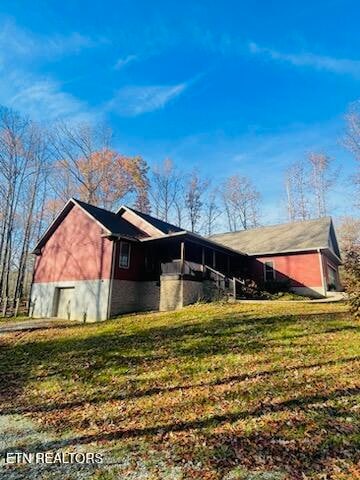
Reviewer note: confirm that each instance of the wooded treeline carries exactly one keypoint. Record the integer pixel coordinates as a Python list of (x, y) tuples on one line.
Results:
[(40, 169)]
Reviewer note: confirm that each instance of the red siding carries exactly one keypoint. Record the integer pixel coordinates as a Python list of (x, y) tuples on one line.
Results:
[(75, 251), (137, 263), (302, 269)]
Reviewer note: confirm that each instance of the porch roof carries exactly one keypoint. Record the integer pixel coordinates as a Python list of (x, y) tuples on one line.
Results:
[(185, 235)]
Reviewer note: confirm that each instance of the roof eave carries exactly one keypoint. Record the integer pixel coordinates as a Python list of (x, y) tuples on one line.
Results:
[(333, 254), (281, 252), (118, 236), (195, 236)]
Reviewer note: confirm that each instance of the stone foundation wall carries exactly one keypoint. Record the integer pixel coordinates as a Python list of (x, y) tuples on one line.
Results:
[(130, 296), (192, 292), (176, 292)]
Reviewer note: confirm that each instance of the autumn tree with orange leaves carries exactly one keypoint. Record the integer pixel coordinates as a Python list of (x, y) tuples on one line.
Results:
[(87, 167)]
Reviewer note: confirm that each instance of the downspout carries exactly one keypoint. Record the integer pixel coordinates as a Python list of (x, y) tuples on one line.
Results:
[(322, 272), (111, 280)]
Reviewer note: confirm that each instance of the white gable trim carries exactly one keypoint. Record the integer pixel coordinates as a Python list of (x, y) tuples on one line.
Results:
[(150, 228)]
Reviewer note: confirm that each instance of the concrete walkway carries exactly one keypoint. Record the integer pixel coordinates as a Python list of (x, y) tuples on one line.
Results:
[(7, 326), (331, 298)]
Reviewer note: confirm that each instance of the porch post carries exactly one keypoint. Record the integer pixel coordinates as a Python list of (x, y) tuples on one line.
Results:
[(214, 259), (203, 260), (228, 264), (182, 257)]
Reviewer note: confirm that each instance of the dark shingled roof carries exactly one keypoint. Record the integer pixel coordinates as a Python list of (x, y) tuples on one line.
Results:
[(288, 237), (164, 227), (111, 221)]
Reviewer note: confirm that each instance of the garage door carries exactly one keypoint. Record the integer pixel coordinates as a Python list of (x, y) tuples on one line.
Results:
[(65, 298)]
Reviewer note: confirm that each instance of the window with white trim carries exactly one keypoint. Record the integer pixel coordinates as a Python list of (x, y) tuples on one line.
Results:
[(269, 271), (332, 277), (124, 255)]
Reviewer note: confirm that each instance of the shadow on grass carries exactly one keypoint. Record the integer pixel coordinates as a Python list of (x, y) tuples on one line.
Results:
[(83, 357), (142, 350), (211, 421), (38, 408)]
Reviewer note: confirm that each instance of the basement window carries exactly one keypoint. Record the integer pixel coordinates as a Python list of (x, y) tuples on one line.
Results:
[(269, 271), (124, 257)]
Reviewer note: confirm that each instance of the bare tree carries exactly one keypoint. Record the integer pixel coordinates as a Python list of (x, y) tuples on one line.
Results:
[(321, 180), (290, 196), (241, 202), (14, 160), (165, 188), (194, 192), (297, 191), (179, 203), (348, 231), (21, 172), (32, 207), (307, 186), (212, 212), (352, 143)]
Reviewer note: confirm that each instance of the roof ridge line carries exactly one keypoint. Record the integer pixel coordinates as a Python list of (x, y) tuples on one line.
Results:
[(92, 205), (297, 222)]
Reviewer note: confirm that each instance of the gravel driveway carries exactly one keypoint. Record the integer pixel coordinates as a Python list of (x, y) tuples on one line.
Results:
[(33, 324)]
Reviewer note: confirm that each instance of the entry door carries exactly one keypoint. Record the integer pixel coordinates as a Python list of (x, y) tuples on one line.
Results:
[(64, 303)]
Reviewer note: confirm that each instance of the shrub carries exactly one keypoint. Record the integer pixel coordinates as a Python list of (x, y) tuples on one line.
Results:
[(249, 289), (352, 277), (276, 286)]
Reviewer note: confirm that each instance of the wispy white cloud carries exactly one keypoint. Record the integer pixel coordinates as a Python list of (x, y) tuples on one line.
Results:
[(263, 155), (21, 43), (135, 100), (43, 98), (122, 62), (234, 45), (307, 59)]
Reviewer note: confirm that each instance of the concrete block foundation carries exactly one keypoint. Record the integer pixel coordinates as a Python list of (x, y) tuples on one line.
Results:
[(176, 292), (130, 296)]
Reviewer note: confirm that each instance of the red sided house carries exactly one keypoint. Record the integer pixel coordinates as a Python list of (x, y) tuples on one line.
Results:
[(304, 254), (92, 264)]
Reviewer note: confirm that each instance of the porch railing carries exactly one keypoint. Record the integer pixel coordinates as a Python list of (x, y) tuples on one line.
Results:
[(227, 284), (175, 268)]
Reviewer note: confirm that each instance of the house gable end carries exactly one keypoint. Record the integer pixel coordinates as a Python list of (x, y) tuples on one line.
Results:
[(70, 204), (139, 222), (76, 250)]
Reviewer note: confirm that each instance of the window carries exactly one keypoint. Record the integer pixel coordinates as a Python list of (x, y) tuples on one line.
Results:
[(124, 257), (269, 272), (332, 278)]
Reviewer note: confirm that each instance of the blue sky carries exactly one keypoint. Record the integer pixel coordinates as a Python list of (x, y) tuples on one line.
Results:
[(229, 87)]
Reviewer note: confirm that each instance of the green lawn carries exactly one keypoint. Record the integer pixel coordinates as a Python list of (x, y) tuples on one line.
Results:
[(19, 318), (217, 391)]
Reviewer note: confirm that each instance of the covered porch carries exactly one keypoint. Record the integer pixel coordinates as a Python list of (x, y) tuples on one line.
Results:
[(188, 254), (190, 268)]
